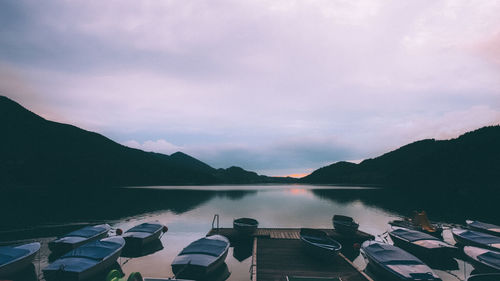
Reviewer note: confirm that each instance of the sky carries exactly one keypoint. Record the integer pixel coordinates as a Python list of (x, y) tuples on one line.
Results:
[(278, 87)]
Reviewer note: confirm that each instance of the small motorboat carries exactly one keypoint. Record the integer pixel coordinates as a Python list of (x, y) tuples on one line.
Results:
[(483, 227), (421, 244), (201, 258), (390, 262), (484, 277), (142, 234), (319, 244), (78, 237), (482, 259), (344, 224), (16, 258), (474, 238), (85, 261), (245, 225)]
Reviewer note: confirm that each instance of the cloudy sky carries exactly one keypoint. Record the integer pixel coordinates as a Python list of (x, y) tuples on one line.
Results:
[(279, 87)]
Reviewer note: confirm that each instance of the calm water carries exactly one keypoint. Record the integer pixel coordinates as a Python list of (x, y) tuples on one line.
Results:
[(188, 211)]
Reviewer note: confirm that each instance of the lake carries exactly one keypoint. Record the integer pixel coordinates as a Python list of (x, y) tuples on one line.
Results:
[(188, 212)]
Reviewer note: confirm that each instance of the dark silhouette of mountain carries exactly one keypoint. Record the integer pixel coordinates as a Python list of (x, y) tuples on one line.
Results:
[(472, 159), (35, 152)]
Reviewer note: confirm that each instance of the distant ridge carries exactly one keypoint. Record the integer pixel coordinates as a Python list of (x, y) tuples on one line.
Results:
[(473, 160), (38, 152)]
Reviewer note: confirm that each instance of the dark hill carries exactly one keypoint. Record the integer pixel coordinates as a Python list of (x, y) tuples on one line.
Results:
[(36, 152), (472, 159)]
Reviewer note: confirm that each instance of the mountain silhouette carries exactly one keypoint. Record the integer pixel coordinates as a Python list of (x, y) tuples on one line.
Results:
[(38, 152), (473, 159)]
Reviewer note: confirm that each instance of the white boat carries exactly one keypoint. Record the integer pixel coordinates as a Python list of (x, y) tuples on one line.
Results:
[(85, 261), (16, 258), (143, 234), (201, 258), (484, 227), (78, 237), (482, 259), (392, 263)]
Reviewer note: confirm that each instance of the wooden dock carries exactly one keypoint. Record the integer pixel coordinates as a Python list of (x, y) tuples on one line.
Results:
[(277, 253)]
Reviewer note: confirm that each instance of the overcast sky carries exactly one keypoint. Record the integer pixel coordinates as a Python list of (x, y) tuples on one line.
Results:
[(278, 87)]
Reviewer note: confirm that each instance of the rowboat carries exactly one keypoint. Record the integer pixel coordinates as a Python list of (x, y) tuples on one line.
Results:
[(483, 260), (474, 238), (85, 261), (483, 227), (319, 244), (15, 258), (142, 234), (390, 262), (78, 237), (201, 258), (421, 244), (344, 224), (245, 225)]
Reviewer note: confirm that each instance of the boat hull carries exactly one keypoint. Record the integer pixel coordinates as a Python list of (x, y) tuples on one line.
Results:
[(460, 238), (64, 272), (22, 262), (67, 243), (199, 264)]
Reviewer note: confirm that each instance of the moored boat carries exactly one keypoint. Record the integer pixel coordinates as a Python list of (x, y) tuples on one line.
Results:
[(319, 244), (474, 238), (392, 263), (344, 224), (433, 229), (85, 261), (201, 258), (423, 245), (78, 237), (245, 225), (483, 260), (16, 258), (483, 227), (142, 234)]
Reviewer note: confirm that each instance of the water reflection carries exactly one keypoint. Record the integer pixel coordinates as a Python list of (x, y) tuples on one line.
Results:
[(188, 214), (148, 249)]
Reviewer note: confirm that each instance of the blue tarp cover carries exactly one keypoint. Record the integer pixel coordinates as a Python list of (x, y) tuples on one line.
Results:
[(8, 254), (483, 225), (388, 254), (87, 232), (413, 235), (491, 258), (479, 237), (146, 227), (205, 246), (96, 250)]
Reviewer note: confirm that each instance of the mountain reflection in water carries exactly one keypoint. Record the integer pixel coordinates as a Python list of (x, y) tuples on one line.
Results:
[(188, 213)]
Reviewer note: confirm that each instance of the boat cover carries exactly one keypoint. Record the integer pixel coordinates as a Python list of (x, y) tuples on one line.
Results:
[(412, 235), (96, 250), (491, 258), (482, 225), (205, 246), (146, 227), (479, 237), (87, 232), (388, 254), (8, 254)]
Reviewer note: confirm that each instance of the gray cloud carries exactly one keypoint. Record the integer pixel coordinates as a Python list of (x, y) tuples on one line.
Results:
[(267, 85)]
